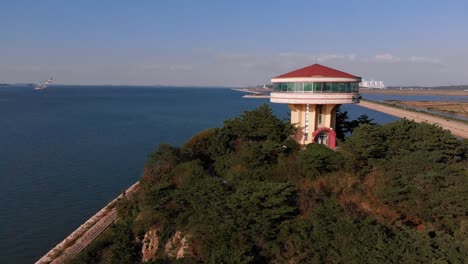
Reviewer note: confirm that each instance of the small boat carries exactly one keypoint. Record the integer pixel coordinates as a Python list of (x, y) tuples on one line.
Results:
[(42, 85)]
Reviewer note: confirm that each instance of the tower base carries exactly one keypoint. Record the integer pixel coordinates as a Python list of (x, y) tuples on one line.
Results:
[(315, 123)]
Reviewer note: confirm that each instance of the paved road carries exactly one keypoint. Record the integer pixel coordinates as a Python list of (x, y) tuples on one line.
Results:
[(457, 128)]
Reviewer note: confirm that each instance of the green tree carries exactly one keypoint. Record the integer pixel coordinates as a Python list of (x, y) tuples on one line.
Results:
[(159, 164), (124, 248), (256, 125), (367, 144), (345, 126), (246, 193), (261, 124), (198, 147), (317, 159), (342, 121), (405, 136)]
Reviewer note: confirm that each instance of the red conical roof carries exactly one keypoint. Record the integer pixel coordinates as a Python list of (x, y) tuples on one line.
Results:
[(316, 70)]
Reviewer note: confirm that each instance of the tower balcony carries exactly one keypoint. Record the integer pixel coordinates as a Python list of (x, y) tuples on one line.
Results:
[(314, 98)]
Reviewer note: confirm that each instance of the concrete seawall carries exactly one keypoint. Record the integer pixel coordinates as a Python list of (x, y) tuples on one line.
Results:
[(458, 129), (85, 234)]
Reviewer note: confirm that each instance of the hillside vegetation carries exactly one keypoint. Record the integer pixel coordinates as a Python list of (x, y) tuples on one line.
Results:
[(247, 193)]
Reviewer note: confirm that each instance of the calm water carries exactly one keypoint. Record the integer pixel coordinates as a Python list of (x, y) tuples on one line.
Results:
[(67, 151)]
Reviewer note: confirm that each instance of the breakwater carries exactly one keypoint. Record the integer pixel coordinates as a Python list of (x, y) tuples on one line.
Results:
[(85, 234), (459, 129)]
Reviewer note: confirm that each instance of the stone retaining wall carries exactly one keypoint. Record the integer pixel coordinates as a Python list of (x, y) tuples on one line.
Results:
[(85, 234)]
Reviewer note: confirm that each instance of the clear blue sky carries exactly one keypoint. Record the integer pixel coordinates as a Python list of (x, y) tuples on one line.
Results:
[(231, 42)]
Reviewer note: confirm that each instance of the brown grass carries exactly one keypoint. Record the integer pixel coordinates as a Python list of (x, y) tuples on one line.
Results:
[(358, 195), (455, 108)]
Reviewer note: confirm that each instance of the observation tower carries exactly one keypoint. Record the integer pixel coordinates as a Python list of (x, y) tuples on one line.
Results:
[(313, 94)]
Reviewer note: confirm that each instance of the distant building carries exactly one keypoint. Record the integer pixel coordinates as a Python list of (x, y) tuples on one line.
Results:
[(313, 94), (372, 84)]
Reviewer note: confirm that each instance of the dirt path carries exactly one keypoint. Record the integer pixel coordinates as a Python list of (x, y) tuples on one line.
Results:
[(457, 128), (85, 234)]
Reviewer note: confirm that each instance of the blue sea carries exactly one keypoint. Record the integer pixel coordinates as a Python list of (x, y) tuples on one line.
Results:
[(66, 151)]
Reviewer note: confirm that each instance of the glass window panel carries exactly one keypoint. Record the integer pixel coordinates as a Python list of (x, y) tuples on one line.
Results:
[(342, 87), (327, 87), (307, 87), (335, 87), (317, 87), (276, 87), (298, 87)]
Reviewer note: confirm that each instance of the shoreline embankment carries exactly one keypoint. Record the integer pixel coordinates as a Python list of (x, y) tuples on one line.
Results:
[(85, 233), (414, 92), (458, 129)]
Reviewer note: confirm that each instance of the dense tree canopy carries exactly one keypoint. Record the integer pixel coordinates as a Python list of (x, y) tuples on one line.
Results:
[(247, 193)]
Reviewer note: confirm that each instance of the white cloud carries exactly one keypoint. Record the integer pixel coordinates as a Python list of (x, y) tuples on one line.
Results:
[(329, 57), (162, 67), (387, 57), (319, 57), (416, 59), (211, 67)]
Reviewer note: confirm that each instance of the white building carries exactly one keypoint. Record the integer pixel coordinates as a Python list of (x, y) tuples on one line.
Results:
[(372, 84)]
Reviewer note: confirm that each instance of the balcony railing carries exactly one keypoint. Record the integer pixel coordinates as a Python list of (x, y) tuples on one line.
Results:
[(320, 87)]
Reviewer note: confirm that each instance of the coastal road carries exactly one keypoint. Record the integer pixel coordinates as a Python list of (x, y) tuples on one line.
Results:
[(85, 234), (458, 129), (86, 238)]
